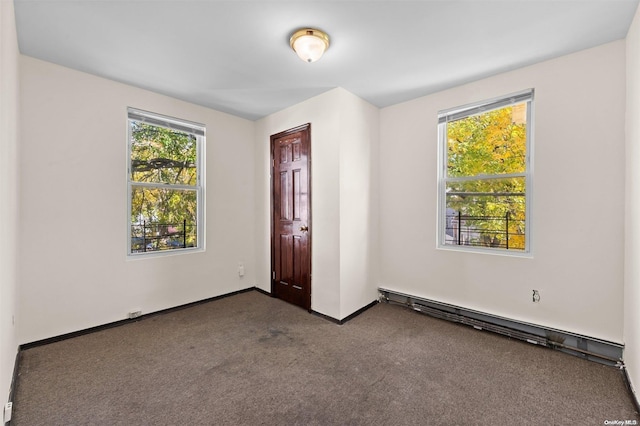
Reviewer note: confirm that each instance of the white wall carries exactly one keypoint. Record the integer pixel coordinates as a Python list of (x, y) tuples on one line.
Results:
[(359, 147), (9, 104), (578, 200), (632, 209), (341, 124), (74, 272)]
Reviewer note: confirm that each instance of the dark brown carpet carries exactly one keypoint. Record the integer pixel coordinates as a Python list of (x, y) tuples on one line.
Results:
[(250, 359)]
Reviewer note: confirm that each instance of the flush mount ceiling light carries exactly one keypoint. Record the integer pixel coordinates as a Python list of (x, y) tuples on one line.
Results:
[(309, 44)]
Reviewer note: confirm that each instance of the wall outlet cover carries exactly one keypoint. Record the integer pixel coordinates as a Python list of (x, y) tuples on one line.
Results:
[(134, 313), (8, 409)]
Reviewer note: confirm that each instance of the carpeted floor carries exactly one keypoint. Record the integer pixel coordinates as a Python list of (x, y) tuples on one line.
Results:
[(253, 360)]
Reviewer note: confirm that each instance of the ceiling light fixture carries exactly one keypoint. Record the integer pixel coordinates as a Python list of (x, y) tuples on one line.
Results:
[(309, 44)]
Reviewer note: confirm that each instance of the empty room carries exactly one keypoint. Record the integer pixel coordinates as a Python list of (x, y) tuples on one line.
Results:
[(319, 212)]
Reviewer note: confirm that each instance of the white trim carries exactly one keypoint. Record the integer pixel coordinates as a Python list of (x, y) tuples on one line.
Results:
[(166, 121), (485, 177), (159, 185), (453, 114)]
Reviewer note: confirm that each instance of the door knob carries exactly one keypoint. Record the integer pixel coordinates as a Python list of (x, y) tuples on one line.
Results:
[(304, 228)]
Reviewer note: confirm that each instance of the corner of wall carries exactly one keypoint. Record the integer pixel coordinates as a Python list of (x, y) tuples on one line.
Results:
[(631, 333), (9, 103), (359, 139)]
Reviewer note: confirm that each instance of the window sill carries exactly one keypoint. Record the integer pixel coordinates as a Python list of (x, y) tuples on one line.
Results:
[(163, 253), (489, 251)]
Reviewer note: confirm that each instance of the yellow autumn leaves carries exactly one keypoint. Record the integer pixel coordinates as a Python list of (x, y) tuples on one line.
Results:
[(486, 163)]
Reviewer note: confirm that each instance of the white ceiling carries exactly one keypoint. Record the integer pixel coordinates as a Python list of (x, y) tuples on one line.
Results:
[(234, 56)]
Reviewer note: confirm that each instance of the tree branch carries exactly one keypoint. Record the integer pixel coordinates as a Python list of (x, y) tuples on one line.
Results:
[(159, 163)]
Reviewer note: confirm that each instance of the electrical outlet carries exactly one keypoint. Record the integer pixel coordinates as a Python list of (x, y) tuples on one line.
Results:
[(240, 269), (536, 296), (134, 314), (8, 408)]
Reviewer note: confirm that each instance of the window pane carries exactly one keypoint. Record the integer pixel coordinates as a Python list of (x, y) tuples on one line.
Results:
[(162, 219), (486, 213), (162, 155), (490, 143)]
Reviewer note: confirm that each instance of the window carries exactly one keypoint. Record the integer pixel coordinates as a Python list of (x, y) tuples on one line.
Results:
[(484, 182), (164, 183)]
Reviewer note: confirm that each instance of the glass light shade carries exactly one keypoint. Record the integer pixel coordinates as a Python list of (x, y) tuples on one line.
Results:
[(309, 44)]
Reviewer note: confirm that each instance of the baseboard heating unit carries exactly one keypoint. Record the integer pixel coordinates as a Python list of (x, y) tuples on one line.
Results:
[(604, 352)]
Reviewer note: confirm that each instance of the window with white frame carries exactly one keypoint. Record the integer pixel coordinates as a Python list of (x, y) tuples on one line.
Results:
[(164, 183), (484, 175)]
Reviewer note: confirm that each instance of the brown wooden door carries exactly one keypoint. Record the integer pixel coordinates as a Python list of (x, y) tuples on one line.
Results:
[(291, 213)]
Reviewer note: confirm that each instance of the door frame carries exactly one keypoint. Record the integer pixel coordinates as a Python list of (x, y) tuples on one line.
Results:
[(307, 129)]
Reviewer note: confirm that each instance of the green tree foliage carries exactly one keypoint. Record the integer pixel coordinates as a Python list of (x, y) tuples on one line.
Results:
[(480, 150), (166, 157)]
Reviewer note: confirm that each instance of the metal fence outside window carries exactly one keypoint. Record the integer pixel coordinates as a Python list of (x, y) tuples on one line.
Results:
[(485, 231), (154, 236)]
